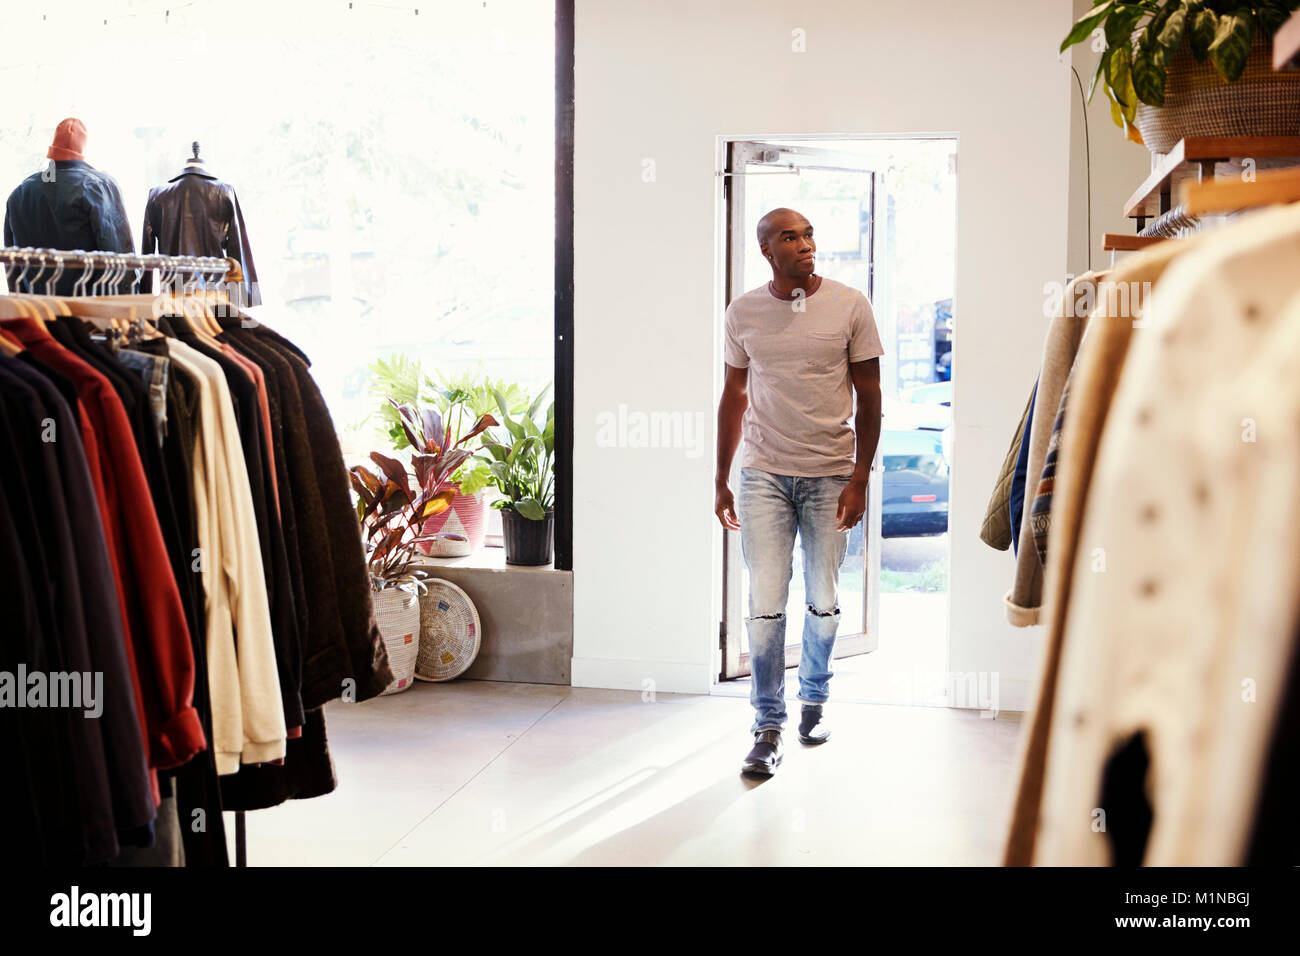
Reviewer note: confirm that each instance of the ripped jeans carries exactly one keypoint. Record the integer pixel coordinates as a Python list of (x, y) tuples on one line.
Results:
[(771, 508)]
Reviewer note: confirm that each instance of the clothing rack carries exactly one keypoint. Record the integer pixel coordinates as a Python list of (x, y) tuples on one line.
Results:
[(120, 263)]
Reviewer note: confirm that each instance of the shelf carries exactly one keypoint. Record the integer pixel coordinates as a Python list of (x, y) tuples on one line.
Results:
[(484, 559), (1194, 158)]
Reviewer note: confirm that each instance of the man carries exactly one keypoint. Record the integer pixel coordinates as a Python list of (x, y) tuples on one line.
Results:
[(796, 351), (69, 205)]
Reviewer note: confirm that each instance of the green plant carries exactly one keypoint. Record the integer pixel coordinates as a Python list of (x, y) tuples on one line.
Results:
[(461, 399), (521, 470), (1140, 37), (392, 510)]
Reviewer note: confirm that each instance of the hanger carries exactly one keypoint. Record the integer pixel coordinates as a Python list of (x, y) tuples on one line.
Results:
[(39, 302), (51, 284), (35, 309), (11, 305), (138, 309), (103, 311), (197, 302), (11, 308), (18, 305), (1232, 195), (1113, 242)]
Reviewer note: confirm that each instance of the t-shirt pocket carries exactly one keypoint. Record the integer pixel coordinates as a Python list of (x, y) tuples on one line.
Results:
[(826, 350)]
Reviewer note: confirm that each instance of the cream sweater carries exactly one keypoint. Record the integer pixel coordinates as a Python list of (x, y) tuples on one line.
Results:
[(1058, 356), (247, 711), (1092, 385), (1185, 630)]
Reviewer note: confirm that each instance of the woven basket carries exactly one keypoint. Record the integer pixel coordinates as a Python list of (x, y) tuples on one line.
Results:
[(450, 632), (398, 612), (465, 517), (1199, 103)]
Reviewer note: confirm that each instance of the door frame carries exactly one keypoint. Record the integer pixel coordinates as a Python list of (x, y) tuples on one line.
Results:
[(738, 153)]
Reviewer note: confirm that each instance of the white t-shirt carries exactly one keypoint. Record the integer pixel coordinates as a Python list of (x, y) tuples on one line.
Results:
[(800, 390)]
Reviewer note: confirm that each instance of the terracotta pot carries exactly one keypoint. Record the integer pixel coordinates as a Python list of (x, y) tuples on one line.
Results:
[(1199, 103), (397, 612), (466, 516)]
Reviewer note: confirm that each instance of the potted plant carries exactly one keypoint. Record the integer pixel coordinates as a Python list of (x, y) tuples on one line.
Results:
[(522, 472), (1176, 68), (461, 401), (392, 509)]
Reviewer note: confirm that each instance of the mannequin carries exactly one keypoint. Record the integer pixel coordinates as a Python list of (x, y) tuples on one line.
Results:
[(196, 214), (69, 205)]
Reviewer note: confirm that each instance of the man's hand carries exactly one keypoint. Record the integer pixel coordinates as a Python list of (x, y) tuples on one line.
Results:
[(724, 506), (853, 504)]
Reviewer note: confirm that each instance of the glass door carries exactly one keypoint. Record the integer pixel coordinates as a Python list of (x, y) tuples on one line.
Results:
[(836, 191)]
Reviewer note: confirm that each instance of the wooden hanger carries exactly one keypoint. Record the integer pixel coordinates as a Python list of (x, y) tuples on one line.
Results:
[(1113, 242), (1269, 187), (13, 307), (1122, 242), (9, 348)]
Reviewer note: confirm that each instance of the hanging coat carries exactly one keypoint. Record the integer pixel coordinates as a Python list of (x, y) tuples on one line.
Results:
[(196, 214)]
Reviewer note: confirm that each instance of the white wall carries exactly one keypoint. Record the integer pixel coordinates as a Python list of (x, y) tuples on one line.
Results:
[(1118, 165), (662, 81)]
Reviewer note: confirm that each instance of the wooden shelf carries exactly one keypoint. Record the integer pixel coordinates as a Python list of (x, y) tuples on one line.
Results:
[(1194, 158), (1286, 45)]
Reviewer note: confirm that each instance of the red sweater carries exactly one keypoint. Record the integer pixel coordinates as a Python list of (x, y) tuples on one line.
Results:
[(158, 641)]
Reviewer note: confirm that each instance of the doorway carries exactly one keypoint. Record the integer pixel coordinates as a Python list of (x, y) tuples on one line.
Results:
[(884, 215)]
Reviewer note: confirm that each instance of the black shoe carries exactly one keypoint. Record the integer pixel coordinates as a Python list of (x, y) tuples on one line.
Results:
[(766, 755), (812, 729)]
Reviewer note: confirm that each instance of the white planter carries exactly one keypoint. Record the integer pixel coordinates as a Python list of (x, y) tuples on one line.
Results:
[(398, 613)]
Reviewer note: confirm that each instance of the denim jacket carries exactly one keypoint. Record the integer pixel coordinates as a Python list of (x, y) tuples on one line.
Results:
[(68, 205)]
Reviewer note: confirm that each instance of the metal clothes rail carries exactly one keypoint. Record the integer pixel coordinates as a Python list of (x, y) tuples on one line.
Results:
[(116, 266)]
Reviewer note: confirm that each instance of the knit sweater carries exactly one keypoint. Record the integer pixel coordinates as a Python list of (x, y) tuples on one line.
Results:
[(1092, 383), (1062, 343), (1186, 635)]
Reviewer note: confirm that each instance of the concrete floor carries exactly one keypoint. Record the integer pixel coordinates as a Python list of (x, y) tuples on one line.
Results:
[(481, 772)]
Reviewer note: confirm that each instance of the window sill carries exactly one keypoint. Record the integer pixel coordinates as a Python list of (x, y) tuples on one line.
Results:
[(492, 559)]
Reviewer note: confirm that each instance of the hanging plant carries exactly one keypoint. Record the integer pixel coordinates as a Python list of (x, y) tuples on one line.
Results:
[(1140, 38)]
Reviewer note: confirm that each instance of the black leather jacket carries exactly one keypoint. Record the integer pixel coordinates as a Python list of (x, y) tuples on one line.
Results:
[(68, 205), (196, 214)]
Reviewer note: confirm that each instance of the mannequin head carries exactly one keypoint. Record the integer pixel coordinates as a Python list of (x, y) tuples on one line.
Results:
[(69, 140)]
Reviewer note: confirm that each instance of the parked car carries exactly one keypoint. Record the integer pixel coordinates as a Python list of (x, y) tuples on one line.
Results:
[(936, 393), (915, 483), (903, 415)]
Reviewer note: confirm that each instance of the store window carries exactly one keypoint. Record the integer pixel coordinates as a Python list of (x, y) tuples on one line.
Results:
[(394, 164)]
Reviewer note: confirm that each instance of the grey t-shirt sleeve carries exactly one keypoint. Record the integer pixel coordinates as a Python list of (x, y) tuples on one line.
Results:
[(733, 352), (864, 337)]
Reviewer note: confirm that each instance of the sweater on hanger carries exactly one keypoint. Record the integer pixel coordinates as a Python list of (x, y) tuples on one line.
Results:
[(247, 709), (1093, 379), (1186, 635), (1059, 350)]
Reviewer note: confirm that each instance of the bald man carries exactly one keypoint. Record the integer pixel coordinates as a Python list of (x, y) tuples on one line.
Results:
[(797, 350)]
